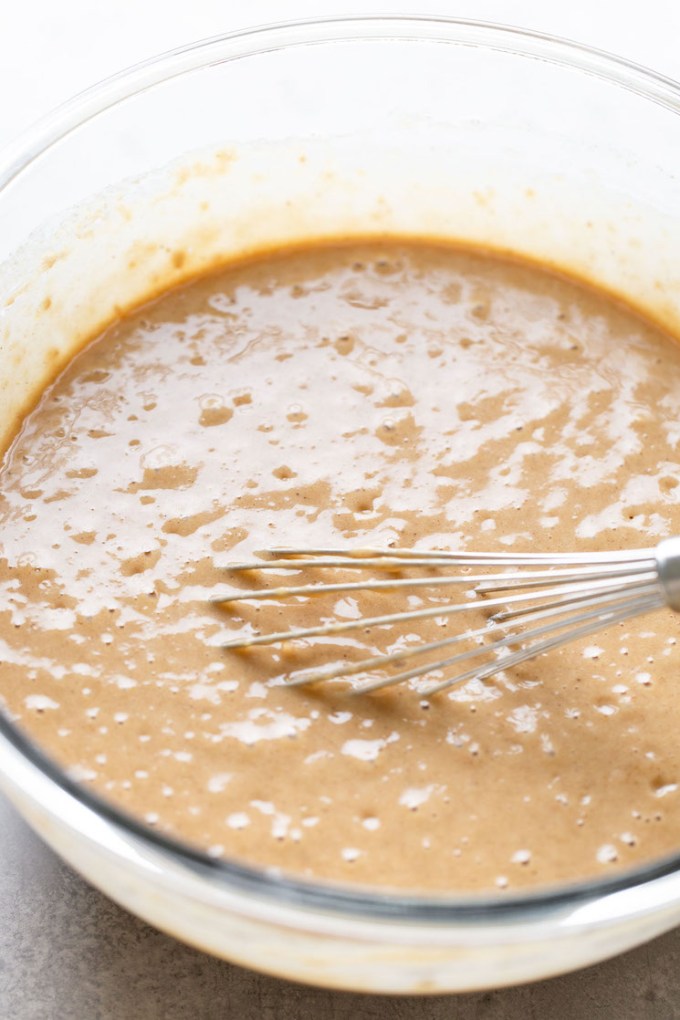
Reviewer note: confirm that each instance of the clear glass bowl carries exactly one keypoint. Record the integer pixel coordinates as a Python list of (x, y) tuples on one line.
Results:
[(368, 126)]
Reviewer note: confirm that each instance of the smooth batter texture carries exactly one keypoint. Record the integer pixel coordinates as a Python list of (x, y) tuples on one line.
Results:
[(351, 395)]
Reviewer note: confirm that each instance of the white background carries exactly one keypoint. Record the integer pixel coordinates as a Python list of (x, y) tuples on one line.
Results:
[(65, 952), (50, 49)]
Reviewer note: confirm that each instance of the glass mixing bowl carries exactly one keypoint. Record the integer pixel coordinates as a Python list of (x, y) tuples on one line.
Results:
[(369, 126)]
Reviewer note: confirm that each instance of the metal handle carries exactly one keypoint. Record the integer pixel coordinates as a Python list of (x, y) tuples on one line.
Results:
[(668, 565)]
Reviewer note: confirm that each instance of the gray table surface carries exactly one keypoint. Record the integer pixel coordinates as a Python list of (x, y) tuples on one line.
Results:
[(66, 952)]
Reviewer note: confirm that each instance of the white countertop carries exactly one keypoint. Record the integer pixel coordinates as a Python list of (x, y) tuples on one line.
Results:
[(68, 953)]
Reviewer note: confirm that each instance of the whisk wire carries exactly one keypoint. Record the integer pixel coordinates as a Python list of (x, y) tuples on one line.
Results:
[(575, 595), (308, 556), (544, 646), (364, 665), (488, 582)]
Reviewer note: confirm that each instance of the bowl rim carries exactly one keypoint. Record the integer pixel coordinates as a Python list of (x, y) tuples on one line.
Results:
[(357, 901)]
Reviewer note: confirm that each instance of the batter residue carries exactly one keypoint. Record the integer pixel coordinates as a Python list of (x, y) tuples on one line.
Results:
[(353, 394)]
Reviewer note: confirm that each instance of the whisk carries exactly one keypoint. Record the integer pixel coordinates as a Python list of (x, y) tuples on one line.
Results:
[(537, 602)]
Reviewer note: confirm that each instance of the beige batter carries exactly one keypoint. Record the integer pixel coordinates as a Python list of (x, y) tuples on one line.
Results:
[(348, 395)]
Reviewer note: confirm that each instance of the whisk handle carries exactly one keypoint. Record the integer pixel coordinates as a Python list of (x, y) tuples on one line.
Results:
[(668, 566)]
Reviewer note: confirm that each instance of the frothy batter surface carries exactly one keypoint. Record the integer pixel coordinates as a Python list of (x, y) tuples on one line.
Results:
[(351, 395)]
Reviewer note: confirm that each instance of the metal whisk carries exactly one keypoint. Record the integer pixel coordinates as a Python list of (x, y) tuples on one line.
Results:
[(537, 602)]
